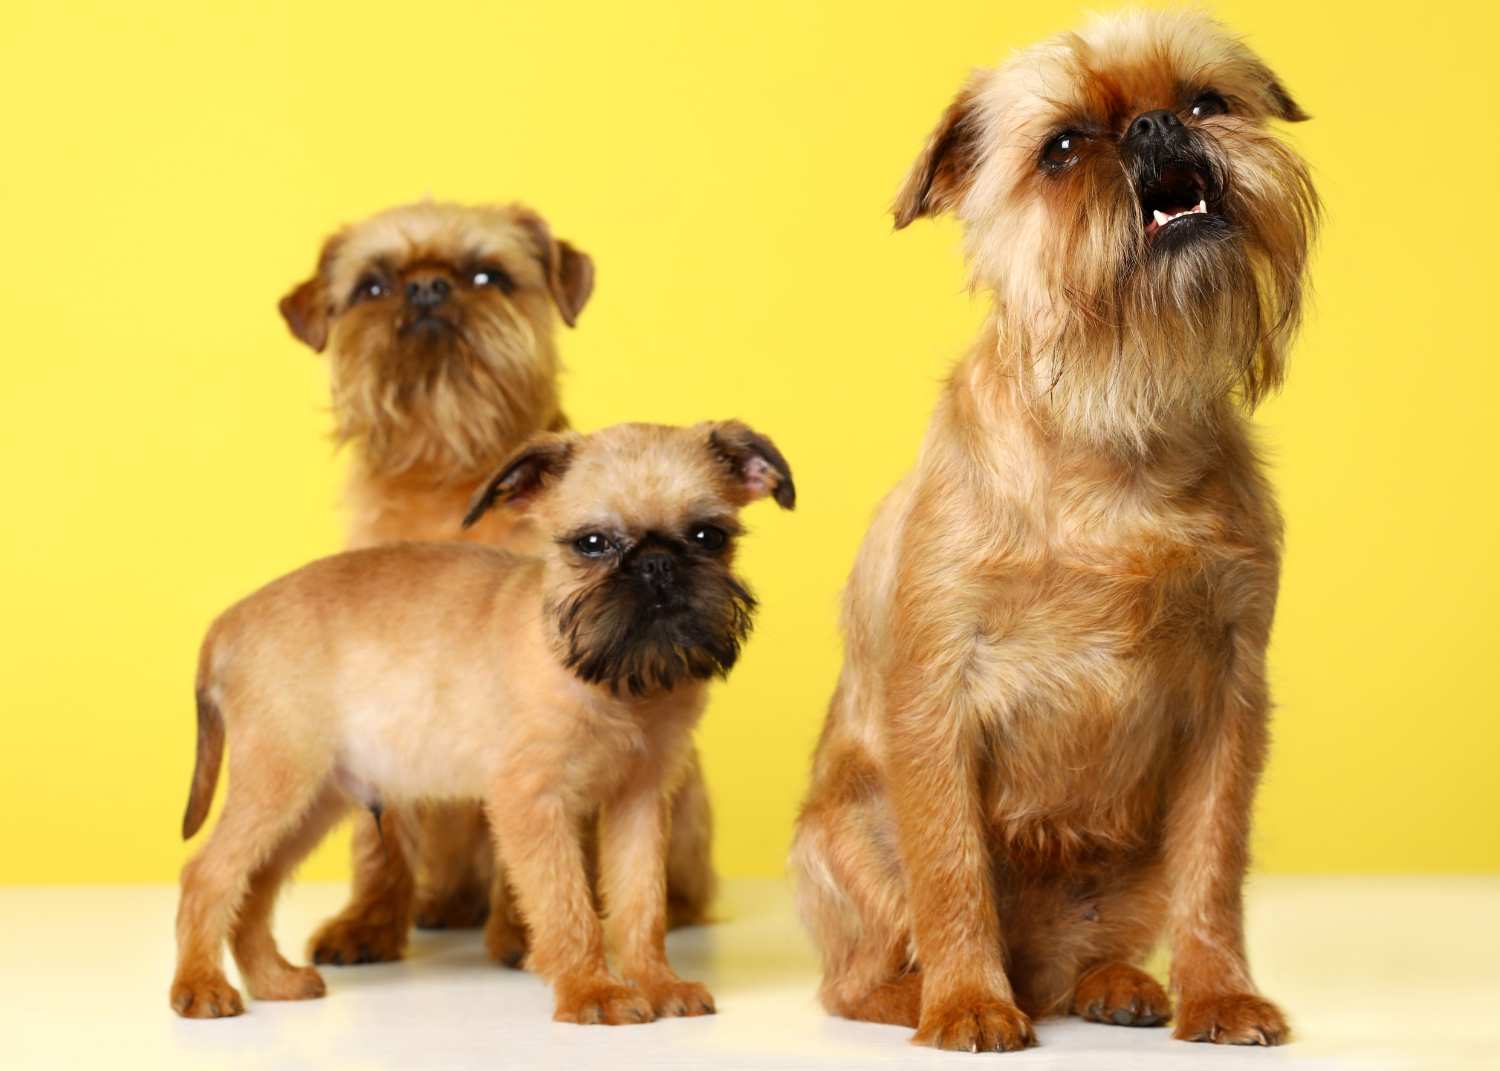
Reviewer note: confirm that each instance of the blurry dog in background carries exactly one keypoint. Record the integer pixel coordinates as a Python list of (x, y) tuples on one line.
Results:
[(1052, 716), (559, 688), (439, 320)]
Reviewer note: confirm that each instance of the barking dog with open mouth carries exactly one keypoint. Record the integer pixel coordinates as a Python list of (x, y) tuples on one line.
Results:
[(1051, 720)]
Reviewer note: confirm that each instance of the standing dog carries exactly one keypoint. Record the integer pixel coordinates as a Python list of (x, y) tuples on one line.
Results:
[(1052, 715), (556, 688), (439, 321)]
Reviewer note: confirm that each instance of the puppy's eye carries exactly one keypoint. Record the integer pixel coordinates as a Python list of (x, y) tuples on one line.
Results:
[(1207, 104), (707, 537), (593, 545), (493, 275), (1061, 151), (368, 288)]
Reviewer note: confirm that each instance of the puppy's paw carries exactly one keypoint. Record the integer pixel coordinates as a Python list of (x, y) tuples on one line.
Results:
[(208, 996), (505, 941), (346, 940), (1119, 994), (672, 997), (458, 909), (974, 1023), (1231, 1019), (286, 983), (601, 1000)]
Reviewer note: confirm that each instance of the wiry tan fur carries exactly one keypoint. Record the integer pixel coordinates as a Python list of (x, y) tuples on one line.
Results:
[(1052, 716), (423, 672), (427, 416)]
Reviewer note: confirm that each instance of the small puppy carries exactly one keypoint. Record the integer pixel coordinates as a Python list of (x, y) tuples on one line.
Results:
[(1045, 742), (555, 688), (439, 322)]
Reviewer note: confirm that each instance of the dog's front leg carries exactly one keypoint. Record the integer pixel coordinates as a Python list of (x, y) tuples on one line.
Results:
[(1207, 852), (538, 839), (967, 1001), (633, 831)]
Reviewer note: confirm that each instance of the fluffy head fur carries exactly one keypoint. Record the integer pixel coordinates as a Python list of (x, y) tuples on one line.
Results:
[(1115, 326), (642, 518), (439, 318)]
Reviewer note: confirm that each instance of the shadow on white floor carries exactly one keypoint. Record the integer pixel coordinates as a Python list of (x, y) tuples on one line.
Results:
[(1375, 972)]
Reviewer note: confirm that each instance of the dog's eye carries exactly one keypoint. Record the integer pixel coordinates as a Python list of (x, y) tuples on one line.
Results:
[(707, 537), (1061, 151), (369, 287), (493, 275), (593, 545), (1207, 104)]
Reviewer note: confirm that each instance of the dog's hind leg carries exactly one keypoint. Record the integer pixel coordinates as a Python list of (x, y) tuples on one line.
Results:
[(374, 924), (266, 972)]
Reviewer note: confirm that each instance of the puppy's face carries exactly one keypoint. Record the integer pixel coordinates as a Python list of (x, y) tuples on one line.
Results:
[(1123, 194), (439, 322), (640, 592)]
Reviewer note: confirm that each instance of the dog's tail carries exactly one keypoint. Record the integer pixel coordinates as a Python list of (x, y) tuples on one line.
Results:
[(206, 766)]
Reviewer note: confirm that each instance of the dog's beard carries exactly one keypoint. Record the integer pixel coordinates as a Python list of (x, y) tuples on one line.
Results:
[(1132, 334), (446, 397), (609, 633)]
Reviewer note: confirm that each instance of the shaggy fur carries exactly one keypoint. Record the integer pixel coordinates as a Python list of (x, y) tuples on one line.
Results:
[(430, 671), (1046, 738), (430, 396)]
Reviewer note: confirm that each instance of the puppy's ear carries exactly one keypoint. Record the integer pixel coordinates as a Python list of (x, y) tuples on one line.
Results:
[(569, 271), (756, 463), (944, 169), (308, 307), (544, 457), (1282, 104)]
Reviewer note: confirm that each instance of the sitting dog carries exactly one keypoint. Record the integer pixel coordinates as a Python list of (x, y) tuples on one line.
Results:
[(558, 689), (1046, 738), (439, 322)]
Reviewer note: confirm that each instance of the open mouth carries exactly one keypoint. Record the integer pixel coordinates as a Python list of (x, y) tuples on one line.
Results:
[(1176, 194)]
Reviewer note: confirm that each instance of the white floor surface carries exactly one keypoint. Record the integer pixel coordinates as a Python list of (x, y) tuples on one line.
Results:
[(1375, 973)]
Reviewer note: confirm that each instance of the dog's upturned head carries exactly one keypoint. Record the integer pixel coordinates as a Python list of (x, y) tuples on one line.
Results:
[(439, 319), (1144, 230), (640, 593)]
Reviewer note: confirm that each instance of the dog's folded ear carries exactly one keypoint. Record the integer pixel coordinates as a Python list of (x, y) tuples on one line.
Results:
[(759, 467), (946, 165), (540, 459), (308, 307), (569, 271)]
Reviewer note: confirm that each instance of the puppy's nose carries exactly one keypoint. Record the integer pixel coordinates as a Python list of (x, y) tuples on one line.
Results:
[(656, 567), (1159, 124), (428, 291)]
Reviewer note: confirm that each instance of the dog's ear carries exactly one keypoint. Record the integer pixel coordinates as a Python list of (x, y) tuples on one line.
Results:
[(1282, 104), (946, 166), (542, 458), (569, 271), (308, 307), (759, 467)]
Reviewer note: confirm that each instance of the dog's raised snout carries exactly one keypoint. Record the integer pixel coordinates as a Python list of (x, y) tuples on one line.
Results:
[(1159, 124), (656, 566), (428, 291)]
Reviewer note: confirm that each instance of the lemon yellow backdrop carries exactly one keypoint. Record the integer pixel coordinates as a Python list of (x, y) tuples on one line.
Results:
[(170, 168)]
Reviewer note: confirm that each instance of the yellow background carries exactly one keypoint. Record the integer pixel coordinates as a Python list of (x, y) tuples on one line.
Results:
[(170, 168)]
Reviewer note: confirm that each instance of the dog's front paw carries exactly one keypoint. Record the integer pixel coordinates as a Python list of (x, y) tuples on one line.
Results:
[(673, 997), (1231, 1019), (974, 1023), (208, 996), (346, 940), (1122, 995), (285, 982), (505, 940), (600, 1000)]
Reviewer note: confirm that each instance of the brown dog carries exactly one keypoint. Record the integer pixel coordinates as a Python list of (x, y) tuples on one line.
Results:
[(1052, 715), (555, 688), (439, 319)]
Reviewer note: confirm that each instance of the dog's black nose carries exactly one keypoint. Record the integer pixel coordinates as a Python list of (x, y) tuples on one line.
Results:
[(657, 567), (428, 291), (1160, 124)]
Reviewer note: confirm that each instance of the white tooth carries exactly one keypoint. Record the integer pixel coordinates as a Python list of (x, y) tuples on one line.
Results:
[(1160, 216), (1200, 207)]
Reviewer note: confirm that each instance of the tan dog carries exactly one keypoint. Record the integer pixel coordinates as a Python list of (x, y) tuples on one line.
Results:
[(439, 322), (555, 688), (1052, 715)]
